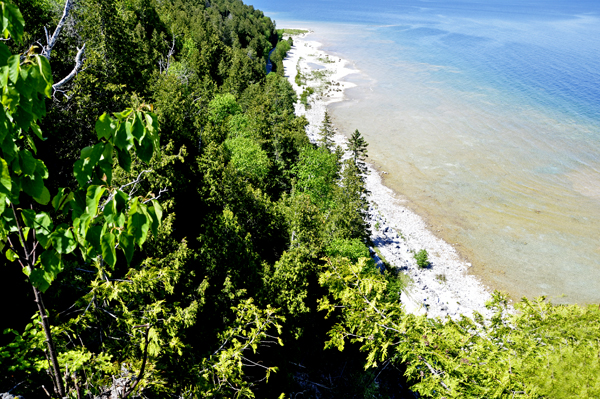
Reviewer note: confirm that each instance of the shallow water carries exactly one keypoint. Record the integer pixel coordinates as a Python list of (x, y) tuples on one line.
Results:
[(487, 118)]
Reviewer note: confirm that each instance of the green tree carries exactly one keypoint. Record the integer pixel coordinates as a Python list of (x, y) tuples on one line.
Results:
[(103, 216), (327, 132), (358, 147)]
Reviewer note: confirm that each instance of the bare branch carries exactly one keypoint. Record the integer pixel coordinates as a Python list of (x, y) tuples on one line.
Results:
[(162, 190), (164, 66), (70, 76), (47, 50)]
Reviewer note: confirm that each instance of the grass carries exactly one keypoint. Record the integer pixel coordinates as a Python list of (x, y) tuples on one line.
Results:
[(326, 60), (291, 32)]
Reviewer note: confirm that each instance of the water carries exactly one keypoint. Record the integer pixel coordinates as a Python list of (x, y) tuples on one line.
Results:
[(487, 117)]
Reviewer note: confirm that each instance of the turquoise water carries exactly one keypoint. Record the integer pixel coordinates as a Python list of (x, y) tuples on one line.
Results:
[(487, 117)]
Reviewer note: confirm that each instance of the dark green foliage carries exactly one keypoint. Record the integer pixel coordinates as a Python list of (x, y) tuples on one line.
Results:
[(279, 54), (327, 132), (358, 147), (252, 230)]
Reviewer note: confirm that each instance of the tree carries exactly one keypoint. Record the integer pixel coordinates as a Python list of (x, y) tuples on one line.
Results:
[(103, 217), (358, 147), (327, 132)]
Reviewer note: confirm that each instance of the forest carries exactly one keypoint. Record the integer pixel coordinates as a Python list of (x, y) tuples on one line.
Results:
[(169, 231)]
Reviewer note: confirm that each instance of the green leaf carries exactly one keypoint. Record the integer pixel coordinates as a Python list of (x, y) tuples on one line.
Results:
[(43, 223), (28, 216), (124, 139), (31, 142), (14, 67), (80, 227), (63, 240), (127, 245), (28, 162), (124, 114), (40, 279), (2, 207), (151, 124), (11, 255), (124, 159), (46, 72), (145, 149), (3, 74), (61, 199), (105, 127), (89, 158), (106, 163), (92, 199), (138, 222), (107, 241), (5, 180), (138, 127), (43, 228), (16, 23), (33, 185), (51, 264), (93, 238), (80, 173), (4, 54), (156, 212), (44, 198)]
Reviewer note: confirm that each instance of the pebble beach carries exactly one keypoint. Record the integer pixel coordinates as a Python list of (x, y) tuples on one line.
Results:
[(445, 288)]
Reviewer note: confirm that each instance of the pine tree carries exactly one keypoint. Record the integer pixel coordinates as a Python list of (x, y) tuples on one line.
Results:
[(358, 146), (327, 132)]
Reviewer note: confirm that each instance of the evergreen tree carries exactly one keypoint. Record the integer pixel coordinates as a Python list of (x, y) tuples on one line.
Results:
[(326, 139), (358, 146)]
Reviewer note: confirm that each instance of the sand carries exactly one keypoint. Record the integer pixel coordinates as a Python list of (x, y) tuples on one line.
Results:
[(443, 289)]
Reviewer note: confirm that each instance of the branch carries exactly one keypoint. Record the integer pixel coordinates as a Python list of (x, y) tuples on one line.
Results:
[(141, 373), (435, 372), (70, 76), (164, 66), (47, 50), (162, 190)]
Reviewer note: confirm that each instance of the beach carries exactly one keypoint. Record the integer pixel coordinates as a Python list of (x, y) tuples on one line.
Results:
[(445, 288)]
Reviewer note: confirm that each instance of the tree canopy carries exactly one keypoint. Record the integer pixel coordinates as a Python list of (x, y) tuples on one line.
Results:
[(170, 231)]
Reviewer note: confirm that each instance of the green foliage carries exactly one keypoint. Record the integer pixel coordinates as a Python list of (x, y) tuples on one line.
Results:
[(278, 54), (221, 107), (358, 147), (422, 258), (290, 32), (256, 229), (317, 173), (304, 96), (248, 158), (327, 132), (352, 249), (507, 355)]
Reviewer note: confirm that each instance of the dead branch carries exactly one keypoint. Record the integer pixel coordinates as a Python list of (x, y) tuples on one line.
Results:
[(73, 73), (51, 41)]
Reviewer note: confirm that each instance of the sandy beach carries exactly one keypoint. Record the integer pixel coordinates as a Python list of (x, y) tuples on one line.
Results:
[(443, 289)]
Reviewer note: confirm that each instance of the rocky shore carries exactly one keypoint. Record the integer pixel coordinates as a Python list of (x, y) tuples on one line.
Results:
[(444, 288)]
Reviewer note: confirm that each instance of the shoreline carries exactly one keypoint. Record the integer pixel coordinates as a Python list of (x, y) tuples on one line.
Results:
[(445, 288)]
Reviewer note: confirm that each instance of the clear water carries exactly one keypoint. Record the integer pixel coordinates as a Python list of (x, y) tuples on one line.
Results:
[(486, 114)]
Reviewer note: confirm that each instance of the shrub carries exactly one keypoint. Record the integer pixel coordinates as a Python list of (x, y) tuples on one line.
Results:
[(304, 96), (422, 258)]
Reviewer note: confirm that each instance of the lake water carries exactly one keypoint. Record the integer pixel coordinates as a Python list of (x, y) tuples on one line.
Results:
[(486, 114)]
